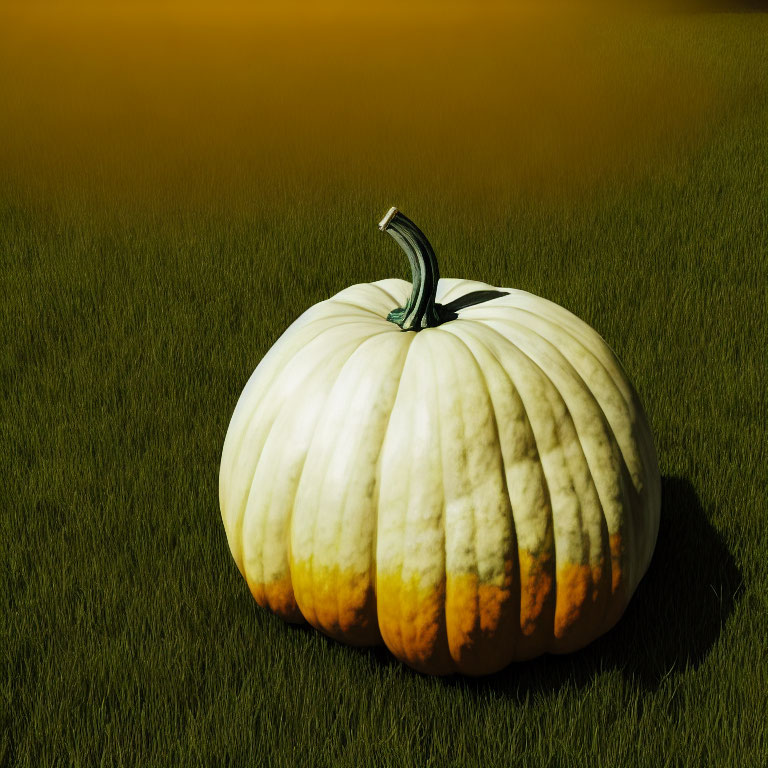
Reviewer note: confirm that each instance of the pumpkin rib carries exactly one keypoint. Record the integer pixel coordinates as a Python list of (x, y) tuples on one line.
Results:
[(266, 506), (636, 561), (473, 514), (572, 325), (581, 496), (311, 591), (271, 367), (537, 580), (411, 549), (244, 519), (460, 439), (550, 627), (630, 500), (554, 353), (343, 518), (635, 446), (430, 632), (510, 520), (631, 411), (573, 337), (268, 368), (441, 641), (316, 501), (566, 322), (628, 398), (540, 584), (591, 456), (273, 416), (340, 524), (581, 486), (323, 474), (433, 386), (547, 619), (380, 284), (313, 580), (383, 597), (513, 635), (404, 539), (368, 313), (554, 350)]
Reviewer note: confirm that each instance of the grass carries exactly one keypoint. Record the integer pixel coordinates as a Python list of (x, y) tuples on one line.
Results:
[(150, 259)]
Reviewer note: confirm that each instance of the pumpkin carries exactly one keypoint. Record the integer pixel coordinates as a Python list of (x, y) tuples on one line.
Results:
[(461, 472)]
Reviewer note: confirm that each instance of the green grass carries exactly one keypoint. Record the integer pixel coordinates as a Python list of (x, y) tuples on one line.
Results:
[(131, 318)]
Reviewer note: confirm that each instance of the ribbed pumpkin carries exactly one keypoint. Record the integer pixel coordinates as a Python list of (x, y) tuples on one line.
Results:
[(460, 471)]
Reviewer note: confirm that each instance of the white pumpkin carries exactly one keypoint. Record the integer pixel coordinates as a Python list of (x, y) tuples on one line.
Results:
[(475, 487)]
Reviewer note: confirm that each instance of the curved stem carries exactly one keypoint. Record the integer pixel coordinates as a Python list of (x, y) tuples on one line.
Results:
[(421, 311)]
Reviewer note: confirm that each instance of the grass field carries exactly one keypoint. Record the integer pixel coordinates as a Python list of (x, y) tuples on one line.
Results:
[(177, 185)]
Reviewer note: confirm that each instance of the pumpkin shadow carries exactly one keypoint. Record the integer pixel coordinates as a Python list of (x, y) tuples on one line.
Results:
[(672, 621)]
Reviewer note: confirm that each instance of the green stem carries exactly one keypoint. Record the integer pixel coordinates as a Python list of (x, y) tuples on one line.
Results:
[(421, 311)]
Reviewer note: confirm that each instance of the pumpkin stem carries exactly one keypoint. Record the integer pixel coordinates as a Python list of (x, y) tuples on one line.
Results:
[(421, 311)]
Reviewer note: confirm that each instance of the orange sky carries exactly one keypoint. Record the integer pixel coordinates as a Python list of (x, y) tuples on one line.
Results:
[(480, 96)]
